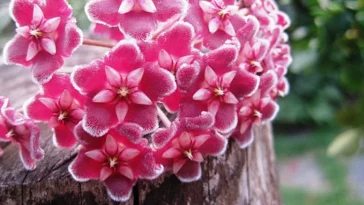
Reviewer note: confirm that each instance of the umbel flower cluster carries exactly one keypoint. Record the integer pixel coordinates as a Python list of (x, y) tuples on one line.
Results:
[(217, 66)]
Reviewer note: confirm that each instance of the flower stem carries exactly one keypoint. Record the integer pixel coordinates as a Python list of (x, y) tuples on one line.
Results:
[(91, 42), (163, 117)]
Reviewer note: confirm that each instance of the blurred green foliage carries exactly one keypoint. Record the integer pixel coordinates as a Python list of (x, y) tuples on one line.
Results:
[(327, 75), (79, 13)]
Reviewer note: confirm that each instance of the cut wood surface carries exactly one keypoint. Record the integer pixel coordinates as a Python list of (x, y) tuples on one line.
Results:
[(241, 177)]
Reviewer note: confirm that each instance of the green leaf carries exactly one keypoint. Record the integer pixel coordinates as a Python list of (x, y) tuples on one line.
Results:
[(346, 144)]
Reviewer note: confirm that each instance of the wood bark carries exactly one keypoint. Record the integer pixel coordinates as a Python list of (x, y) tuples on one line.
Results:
[(244, 177)]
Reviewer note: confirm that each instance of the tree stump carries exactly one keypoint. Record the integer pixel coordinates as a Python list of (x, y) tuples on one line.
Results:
[(241, 177)]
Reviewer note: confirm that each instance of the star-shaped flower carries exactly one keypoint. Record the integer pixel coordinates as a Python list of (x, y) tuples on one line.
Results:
[(61, 106), (124, 87), (46, 34), (16, 128), (118, 159), (182, 147)]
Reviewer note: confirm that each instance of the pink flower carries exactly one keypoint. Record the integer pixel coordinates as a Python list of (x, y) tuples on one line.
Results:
[(218, 21), (61, 106), (118, 159), (122, 88), (45, 35), (22, 131), (252, 55), (137, 18), (173, 51), (257, 109), (220, 89), (282, 87), (182, 147), (219, 13), (112, 33)]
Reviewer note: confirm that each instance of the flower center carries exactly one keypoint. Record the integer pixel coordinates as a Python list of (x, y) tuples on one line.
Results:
[(258, 114), (62, 116), (123, 92), (188, 154), (36, 33), (113, 162), (223, 13), (11, 133), (219, 92)]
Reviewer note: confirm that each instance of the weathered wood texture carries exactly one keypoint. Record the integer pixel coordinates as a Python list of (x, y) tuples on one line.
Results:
[(241, 177)]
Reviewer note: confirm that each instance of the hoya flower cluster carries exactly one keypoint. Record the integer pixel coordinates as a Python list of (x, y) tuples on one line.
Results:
[(216, 66)]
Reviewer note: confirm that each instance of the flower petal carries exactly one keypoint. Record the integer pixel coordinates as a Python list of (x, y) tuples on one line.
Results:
[(244, 84), (210, 76), (129, 154), (119, 187), (171, 153), (49, 45), (147, 5), (215, 145), (203, 94), (51, 25), (230, 98), (201, 123), (23, 31), (15, 51), (104, 96), (49, 103), (64, 137), (126, 6), (177, 41), (37, 15), (134, 77), (165, 60), (143, 115), (214, 24), (222, 58), (131, 131), (229, 28), (213, 107), (105, 173), (89, 78), (226, 118), (36, 110), (32, 51), (227, 78), (163, 135), (178, 165), (197, 157), (113, 77), (102, 11), (66, 100), (69, 39), (86, 139), (77, 114), (111, 146), (45, 65), (126, 171), (185, 140), (200, 140), (157, 82), (97, 155), (84, 168), (191, 171), (140, 98), (99, 118), (207, 7), (244, 139), (121, 110), (270, 111)]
